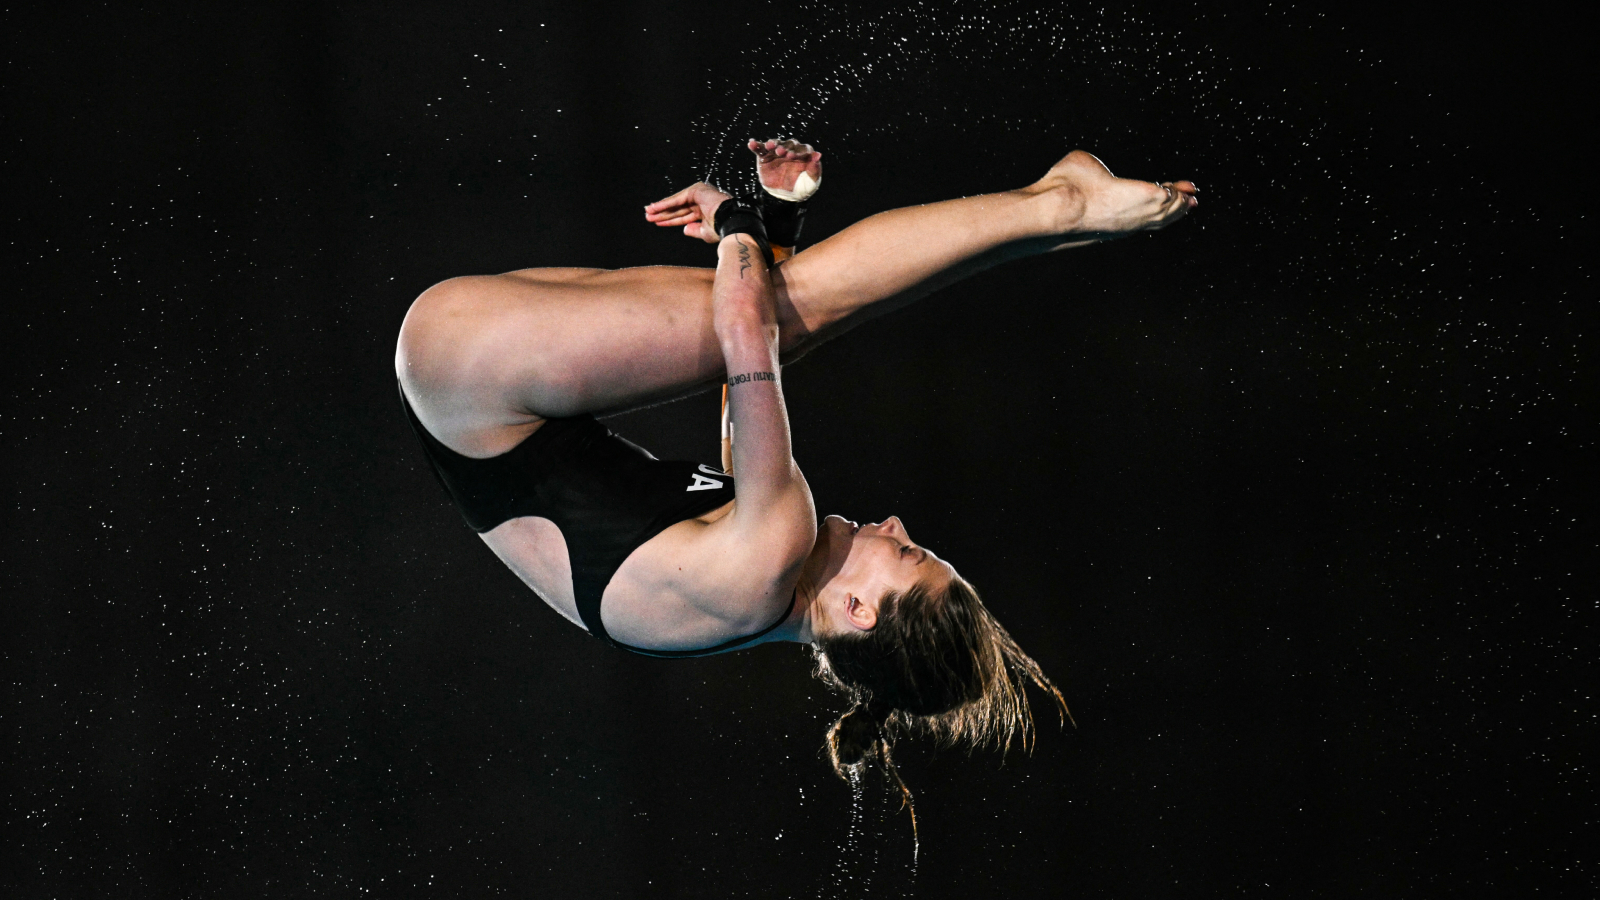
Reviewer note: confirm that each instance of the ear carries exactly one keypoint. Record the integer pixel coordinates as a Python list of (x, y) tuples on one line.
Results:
[(862, 615)]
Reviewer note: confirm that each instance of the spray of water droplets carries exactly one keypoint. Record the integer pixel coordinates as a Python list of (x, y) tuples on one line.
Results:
[(856, 867), (838, 72), (844, 876)]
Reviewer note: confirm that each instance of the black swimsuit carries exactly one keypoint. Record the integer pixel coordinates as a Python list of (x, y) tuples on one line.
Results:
[(607, 495)]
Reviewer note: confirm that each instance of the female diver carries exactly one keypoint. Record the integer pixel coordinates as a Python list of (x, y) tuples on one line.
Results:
[(502, 375)]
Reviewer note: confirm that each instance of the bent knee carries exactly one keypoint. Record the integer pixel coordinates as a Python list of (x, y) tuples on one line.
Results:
[(475, 351), (422, 357)]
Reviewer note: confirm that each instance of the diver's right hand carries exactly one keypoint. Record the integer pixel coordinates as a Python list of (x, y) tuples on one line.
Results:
[(694, 207), (787, 168)]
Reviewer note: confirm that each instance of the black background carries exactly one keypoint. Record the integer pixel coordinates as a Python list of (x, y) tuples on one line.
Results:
[(1286, 498)]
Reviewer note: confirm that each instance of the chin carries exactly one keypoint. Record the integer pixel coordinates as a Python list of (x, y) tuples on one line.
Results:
[(837, 536)]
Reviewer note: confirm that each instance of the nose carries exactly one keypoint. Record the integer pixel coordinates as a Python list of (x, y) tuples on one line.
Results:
[(892, 525)]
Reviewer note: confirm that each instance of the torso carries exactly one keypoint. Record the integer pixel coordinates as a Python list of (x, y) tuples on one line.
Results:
[(686, 588)]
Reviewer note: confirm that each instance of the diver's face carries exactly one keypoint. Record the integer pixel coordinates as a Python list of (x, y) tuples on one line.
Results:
[(873, 560)]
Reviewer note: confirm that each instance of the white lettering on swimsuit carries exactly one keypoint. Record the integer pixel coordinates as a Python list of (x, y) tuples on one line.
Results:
[(702, 483)]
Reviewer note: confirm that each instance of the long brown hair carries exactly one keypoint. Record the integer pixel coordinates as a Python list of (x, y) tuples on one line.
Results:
[(935, 663)]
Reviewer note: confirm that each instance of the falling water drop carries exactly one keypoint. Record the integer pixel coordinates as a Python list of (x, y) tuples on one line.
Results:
[(842, 875)]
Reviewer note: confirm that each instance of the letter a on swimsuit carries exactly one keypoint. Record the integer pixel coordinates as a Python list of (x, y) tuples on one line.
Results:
[(702, 483)]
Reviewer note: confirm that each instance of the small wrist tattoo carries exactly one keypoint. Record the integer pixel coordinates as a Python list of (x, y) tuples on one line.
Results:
[(752, 376), (744, 258)]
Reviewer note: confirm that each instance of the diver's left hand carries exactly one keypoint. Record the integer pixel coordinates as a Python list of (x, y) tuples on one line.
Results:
[(694, 207), (780, 165)]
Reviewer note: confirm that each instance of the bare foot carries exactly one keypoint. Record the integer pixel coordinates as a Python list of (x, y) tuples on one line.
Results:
[(1095, 205), (694, 207), (787, 168)]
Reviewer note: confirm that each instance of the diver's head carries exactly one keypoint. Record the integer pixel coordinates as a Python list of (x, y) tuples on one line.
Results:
[(859, 565), (908, 640)]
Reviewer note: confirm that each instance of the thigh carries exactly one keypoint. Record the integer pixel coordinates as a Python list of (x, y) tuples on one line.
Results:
[(485, 358)]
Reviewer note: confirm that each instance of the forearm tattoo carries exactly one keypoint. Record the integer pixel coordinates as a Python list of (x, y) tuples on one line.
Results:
[(752, 376), (744, 258)]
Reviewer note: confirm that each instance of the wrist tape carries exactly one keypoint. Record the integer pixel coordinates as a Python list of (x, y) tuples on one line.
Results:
[(736, 216)]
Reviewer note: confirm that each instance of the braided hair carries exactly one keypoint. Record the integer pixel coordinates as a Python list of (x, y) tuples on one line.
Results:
[(936, 663)]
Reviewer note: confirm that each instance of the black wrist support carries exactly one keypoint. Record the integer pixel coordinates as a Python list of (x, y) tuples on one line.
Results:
[(736, 216), (783, 219)]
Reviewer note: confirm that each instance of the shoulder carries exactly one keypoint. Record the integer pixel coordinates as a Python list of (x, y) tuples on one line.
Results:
[(777, 538), (698, 584), (731, 569), (754, 555)]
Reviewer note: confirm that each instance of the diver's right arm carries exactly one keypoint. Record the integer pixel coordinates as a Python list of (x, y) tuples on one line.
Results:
[(773, 506)]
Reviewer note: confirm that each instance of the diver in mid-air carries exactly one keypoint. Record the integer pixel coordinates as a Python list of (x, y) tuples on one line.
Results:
[(502, 377)]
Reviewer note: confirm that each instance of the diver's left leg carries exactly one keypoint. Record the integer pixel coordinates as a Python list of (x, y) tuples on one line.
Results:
[(888, 260)]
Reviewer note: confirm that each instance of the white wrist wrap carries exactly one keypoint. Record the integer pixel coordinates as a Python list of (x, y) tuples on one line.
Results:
[(804, 187)]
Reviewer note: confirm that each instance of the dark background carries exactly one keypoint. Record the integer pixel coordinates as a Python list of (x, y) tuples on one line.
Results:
[(1286, 498)]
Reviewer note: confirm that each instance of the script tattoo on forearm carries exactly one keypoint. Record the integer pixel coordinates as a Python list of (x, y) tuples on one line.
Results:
[(744, 258), (752, 376)]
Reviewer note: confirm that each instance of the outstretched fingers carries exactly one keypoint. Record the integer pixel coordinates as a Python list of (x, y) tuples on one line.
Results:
[(670, 207), (691, 208), (678, 217)]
